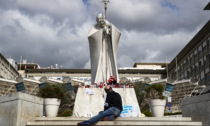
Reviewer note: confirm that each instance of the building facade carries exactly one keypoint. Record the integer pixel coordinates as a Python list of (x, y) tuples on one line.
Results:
[(7, 69), (194, 59), (132, 74), (192, 62)]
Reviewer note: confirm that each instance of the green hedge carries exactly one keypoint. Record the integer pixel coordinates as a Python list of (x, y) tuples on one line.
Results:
[(147, 113), (176, 113)]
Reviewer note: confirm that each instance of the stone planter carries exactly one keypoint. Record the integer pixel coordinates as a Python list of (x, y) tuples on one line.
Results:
[(51, 106), (18, 108), (157, 107), (198, 108)]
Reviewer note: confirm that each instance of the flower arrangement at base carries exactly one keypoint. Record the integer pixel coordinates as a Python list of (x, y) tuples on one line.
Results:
[(112, 80), (67, 113)]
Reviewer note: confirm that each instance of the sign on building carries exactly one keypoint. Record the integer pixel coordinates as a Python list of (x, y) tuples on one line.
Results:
[(168, 90), (20, 87), (68, 86), (42, 85)]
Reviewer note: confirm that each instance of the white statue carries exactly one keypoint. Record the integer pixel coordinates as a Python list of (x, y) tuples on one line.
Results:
[(103, 41)]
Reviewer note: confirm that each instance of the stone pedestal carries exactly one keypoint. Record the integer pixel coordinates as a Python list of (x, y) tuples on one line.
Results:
[(17, 108), (90, 105), (197, 107)]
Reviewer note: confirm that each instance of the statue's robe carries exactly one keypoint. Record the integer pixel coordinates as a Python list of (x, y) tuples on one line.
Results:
[(103, 53)]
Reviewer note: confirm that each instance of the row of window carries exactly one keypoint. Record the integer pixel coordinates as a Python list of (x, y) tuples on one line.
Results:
[(6, 73), (192, 67)]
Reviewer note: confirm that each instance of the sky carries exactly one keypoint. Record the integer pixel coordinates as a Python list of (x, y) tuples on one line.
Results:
[(50, 32)]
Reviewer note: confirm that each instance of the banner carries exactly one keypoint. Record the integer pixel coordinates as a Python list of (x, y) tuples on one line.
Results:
[(42, 85), (68, 86), (168, 90), (129, 111), (20, 87)]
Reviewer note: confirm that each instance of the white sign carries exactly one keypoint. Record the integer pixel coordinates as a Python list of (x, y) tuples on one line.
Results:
[(168, 90), (89, 92), (166, 94), (88, 115), (169, 99)]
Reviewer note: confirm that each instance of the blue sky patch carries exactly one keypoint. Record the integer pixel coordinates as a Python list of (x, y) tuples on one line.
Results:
[(169, 5), (86, 2)]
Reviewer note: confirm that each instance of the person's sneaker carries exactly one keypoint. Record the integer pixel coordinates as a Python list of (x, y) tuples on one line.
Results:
[(109, 118), (85, 123)]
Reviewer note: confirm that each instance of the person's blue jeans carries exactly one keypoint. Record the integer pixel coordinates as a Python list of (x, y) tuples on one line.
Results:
[(110, 111)]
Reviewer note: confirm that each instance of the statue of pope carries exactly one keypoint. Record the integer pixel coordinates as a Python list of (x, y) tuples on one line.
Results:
[(103, 41)]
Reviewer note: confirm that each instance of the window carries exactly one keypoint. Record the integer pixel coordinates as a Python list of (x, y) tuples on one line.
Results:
[(202, 75), (195, 52), (207, 71), (204, 47), (196, 69), (209, 42), (197, 77), (201, 64), (204, 43), (188, 74), (199, 48), (207, 77)]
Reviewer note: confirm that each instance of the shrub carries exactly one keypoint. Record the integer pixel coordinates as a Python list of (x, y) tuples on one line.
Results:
[(176, 113), (155, 91), (139, 94), (67, 113), (67, 103), (51, 91), (147, 113), (138, 86)]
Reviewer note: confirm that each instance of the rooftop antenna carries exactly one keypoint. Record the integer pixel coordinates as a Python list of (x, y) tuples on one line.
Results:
[(105, 5), (167, 66), (20, 62)]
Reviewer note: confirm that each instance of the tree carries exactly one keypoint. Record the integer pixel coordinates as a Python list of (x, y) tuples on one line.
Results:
[(140, 94)]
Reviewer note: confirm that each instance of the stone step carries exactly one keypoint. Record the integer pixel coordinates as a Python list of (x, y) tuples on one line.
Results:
[(159, 119), (146, 121), (117, 123)]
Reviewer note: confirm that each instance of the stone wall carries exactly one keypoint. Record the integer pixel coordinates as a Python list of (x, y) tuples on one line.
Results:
[(197, 107), (17, 108)]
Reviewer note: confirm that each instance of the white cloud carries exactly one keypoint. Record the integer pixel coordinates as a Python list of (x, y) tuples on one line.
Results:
[(73, 9), (55, 31), (125, 61), (87, 65)]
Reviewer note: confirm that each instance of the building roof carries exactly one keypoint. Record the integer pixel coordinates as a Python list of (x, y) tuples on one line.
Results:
[(88, 71), (207, 7), (162, 64), (28, 65), (58, 70), (194, 41)]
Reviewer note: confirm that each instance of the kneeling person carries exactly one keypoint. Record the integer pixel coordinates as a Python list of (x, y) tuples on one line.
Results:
[(112, 108)]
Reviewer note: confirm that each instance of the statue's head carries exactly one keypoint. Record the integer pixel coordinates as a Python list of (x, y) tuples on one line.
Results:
[(100, 19)]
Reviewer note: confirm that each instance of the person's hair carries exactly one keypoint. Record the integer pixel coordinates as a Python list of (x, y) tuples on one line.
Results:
[(108, 90)]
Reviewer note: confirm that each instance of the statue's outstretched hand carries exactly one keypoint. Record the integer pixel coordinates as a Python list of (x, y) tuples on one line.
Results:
[(107, 27)]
